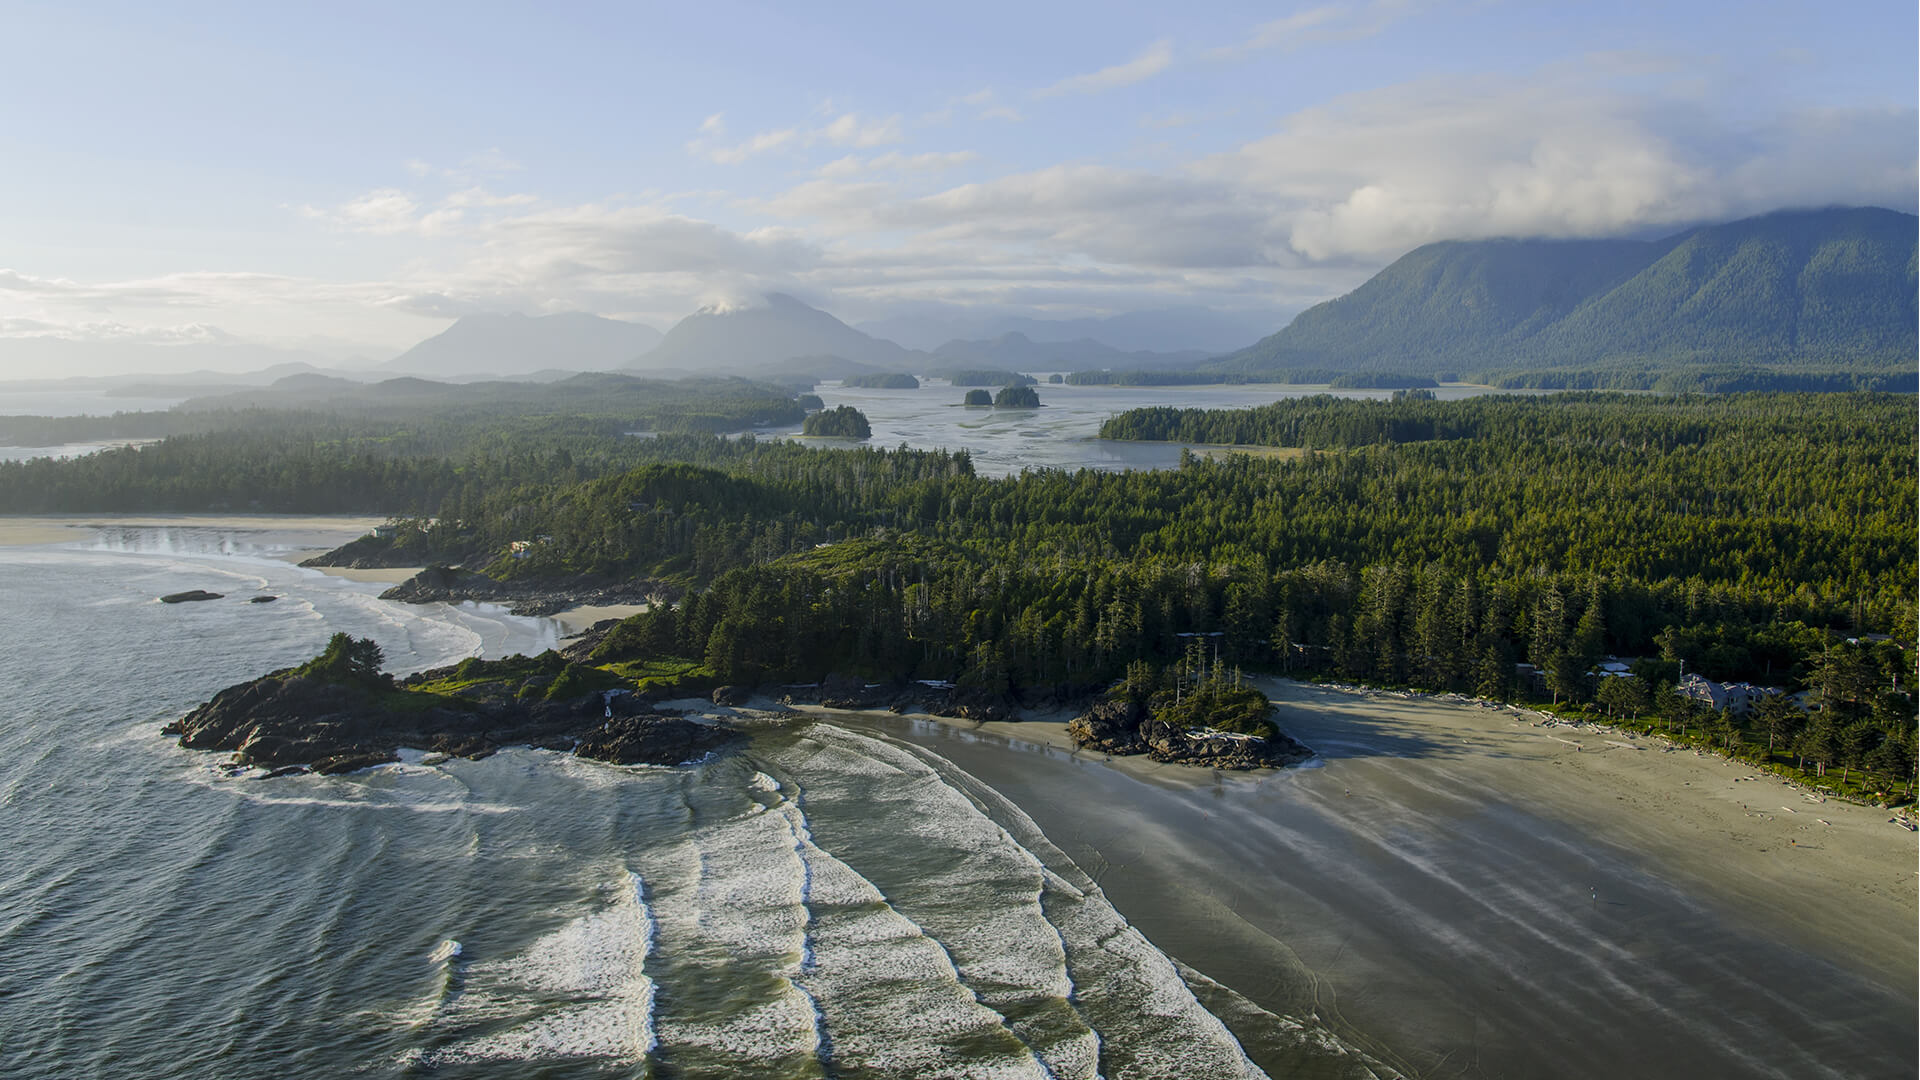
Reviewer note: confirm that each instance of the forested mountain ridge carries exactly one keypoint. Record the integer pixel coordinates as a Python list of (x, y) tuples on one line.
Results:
[(1797, 289)]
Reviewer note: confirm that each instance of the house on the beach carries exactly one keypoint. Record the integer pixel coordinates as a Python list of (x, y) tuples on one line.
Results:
[(1735, 697)]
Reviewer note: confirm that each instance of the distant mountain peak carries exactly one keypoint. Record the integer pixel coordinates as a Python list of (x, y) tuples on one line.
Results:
[(737, 336), (515, 343)]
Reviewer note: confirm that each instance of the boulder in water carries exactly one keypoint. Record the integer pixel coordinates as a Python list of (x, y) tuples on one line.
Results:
[(189, 596)]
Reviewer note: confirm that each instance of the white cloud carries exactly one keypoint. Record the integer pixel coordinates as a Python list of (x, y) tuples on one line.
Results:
[(850, 130), (1329, 22), (1156, 59), (894, 161), (847, 129)]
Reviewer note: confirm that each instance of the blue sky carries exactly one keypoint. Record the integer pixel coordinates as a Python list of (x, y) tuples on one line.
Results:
[(352, 176)]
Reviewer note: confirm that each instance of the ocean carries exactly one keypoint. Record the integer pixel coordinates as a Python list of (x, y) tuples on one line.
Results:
[(827, 902)]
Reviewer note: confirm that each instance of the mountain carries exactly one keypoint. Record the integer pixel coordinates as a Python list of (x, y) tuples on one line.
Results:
[(1016, 352), (763, 335), (1801, 289), (517, 344), (1172, 329)]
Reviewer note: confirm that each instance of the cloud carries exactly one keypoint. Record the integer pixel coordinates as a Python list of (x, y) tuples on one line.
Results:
[(1329, 22), (894, 161), (184, 334), (1610, 145), (847, 129), (1156, 59), (1374, 174), (850, 130), (390, 211)]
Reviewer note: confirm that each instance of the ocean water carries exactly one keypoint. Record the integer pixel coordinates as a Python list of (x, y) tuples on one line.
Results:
[(821, 903)]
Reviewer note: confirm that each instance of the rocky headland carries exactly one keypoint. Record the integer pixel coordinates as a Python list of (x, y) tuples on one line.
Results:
[(330, 721)]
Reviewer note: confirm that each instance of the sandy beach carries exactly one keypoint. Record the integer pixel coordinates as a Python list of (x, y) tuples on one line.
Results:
[(1462, 891), (19, 531)]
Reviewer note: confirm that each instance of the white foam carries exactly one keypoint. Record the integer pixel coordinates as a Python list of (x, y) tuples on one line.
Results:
[(446, 950), (729, 903), (598, 959), (889, 996)]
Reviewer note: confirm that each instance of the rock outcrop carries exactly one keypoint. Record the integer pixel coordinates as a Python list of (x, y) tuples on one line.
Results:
[(453, 585), (190, 596), (1112, 727), (652, 740), (286, 719), (1128, 727)]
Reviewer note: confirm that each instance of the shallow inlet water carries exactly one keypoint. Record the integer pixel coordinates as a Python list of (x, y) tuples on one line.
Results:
[(1063, 433)]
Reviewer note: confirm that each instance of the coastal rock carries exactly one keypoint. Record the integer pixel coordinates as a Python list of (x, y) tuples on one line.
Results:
[(189, 596), (263, 598), (287, 720), (1111, 727), (838, 691), (652, 740), (453, 585), (1127, 727), (732, 695)]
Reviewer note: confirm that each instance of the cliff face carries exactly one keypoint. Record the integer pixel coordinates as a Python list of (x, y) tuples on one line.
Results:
[(285, 720)]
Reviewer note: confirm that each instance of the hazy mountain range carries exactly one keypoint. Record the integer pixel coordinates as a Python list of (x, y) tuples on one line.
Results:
[(516, 344), (1171, 329), (1800, 288)]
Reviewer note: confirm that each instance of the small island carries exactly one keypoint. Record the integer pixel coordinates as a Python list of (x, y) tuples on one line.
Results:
[(339, 712), (842, 422), (978, 398), (1016, 397), (889, 381), (1194, 714)]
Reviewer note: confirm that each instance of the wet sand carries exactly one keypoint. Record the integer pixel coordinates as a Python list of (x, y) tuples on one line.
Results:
[(1463, 893), (18, 531)]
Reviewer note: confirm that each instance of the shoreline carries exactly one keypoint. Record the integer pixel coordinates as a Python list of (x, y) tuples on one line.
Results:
[(1449, 880), (26, 530)]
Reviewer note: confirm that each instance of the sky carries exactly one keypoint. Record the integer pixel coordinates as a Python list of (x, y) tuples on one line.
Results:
[(350, 177)]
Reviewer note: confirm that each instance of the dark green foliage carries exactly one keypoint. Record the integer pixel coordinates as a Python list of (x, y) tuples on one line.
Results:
[(1203, 696), (810, 402), (844, 421), (988, 377), (347, 659), (882, 382), (1055, 378), (979, 397), (1016, 397)]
